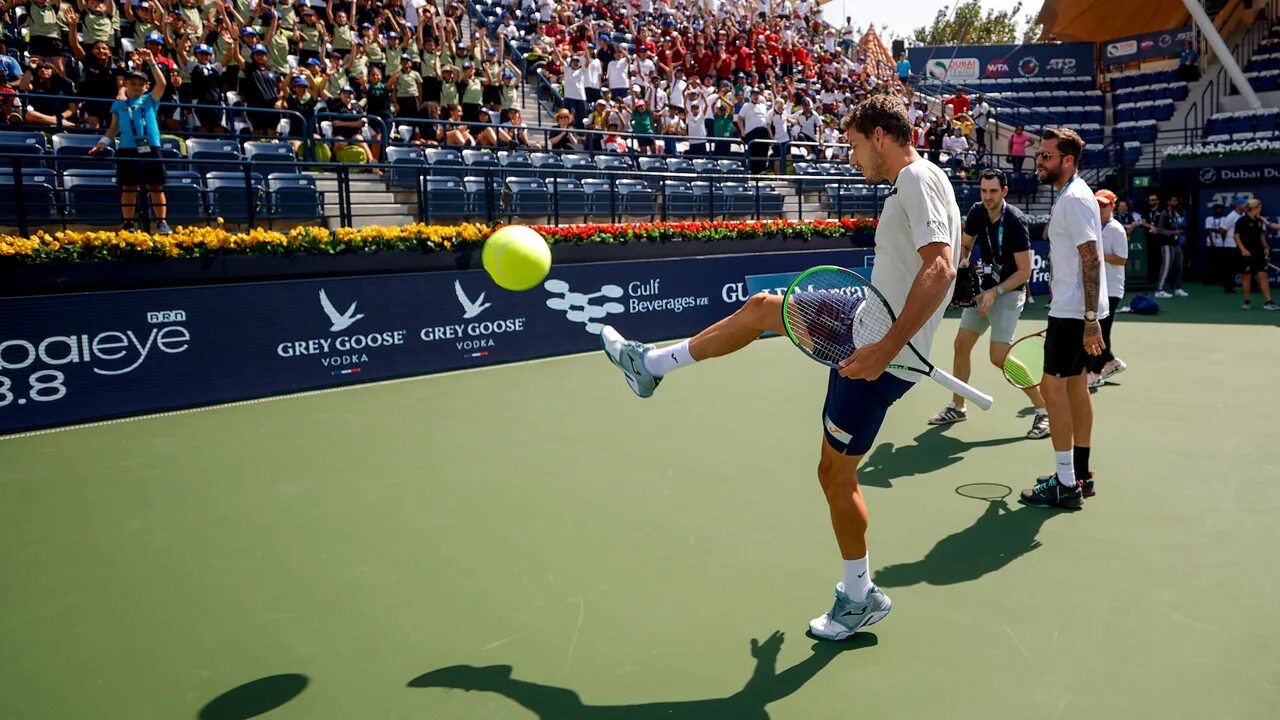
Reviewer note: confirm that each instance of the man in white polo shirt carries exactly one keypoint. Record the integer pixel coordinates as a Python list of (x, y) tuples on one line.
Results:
[(1074, 334), (751, 120)]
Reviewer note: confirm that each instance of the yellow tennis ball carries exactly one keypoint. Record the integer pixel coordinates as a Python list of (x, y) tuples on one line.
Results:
[(516, 257)]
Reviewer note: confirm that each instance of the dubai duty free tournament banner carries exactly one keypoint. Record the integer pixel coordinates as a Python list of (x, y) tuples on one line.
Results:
[(76, 358), (966, 63)]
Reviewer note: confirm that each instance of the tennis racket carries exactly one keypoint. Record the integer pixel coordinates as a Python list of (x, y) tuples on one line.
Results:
[(1024, 365), (829, 312)]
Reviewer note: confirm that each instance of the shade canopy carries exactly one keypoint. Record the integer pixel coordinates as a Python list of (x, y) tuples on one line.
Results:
[(1099, 20)]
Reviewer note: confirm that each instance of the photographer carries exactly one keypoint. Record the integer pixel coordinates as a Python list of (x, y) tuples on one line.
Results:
[(134, 122), (1001, 233)]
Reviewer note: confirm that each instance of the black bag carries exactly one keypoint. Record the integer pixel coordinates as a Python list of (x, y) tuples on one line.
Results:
[(967, 288)]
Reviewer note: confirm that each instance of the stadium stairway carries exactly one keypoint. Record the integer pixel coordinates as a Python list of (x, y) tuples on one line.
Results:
[(371, 202)]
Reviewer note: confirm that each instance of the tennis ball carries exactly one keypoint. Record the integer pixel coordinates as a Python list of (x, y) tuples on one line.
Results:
[(516, 257)]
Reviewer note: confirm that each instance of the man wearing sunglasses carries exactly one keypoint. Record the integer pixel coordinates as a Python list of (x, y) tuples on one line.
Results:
[(1074, 334)]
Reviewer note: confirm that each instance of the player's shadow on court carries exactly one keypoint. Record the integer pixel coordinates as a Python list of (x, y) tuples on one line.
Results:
[(766, 685), (999, 536), (932, 450)]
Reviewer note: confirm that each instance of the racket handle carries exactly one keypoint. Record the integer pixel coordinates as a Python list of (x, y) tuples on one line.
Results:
[(959, 387)]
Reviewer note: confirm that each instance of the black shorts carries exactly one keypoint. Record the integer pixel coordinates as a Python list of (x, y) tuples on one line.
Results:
[(1064, 354), (132, 170), (45, 47), (263, 119), (1255, 263)]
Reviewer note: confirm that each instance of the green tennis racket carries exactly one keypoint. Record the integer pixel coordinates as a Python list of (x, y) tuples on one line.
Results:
[(1024, 365), (829, 312)]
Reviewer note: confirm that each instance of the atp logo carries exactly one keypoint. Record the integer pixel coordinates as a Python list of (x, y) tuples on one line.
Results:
[(580, 308)]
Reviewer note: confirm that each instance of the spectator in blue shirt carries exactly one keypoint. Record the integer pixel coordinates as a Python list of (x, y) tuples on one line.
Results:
[(134, 122), (1188, 63), (904, 69)]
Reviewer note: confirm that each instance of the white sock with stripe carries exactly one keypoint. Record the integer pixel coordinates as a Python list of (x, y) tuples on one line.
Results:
[(661, 361)]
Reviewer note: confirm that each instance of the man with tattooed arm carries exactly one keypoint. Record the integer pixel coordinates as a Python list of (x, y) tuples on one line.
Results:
[(1079, 301)]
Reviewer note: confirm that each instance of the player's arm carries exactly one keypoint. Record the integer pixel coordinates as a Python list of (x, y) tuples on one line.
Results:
[(931, 288), (966, 248), (1240, 246), (1091, 270)]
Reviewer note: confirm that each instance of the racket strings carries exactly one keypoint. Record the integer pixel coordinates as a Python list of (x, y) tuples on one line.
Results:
[(831, 314), (1024, 365)]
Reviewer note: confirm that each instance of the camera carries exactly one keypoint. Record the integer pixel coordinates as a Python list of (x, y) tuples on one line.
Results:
[(988, 276)]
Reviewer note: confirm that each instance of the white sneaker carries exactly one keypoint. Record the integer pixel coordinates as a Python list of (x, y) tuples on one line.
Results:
[(846, 617), (1096, 381), (1162, 294), (1113, 368), (1181, 293), (950, 414)]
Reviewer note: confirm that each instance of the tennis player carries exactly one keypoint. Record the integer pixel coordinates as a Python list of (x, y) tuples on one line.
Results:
[(1004, 246), (1074, 335), (1115, 256), (917, 246)]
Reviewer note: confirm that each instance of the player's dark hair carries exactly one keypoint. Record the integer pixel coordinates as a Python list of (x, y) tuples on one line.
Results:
[(1069, 141), (998, 176), (881, 111)]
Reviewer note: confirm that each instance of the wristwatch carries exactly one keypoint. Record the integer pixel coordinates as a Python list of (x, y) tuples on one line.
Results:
[(999, 290), (1090, 316)]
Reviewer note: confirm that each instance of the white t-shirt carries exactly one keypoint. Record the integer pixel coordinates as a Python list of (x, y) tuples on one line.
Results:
[(1115, 241), (955, 144), (778, 122), (593, 73), (1075, 220), (575, 82), (810, 125), (922, 210), (1232, 218), (753, 115), (698, 122), (1212, 239), (619, 77)]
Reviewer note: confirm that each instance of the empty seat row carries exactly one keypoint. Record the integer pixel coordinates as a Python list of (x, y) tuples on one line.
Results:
[(1245, 121), (92, 196), (1140, 78), (1160, 110), (1165, 91), (1139, 130)]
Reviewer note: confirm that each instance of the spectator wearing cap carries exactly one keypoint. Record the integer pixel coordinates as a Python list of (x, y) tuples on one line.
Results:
[(619, 73), (206, 88), (374, 49), (490, 72), (349, 123), (722, 123), (343, 24), (642, 126), (260, 90), (135, 125), (146, 19), (406, 84), (44, 41), (698, 114), (431, 64), (752, 120), (357, 61), (300, 100), (98, 21), (575, 84), (276, 40), (449, 93), (472, 92), (310, 36), (510, 90)]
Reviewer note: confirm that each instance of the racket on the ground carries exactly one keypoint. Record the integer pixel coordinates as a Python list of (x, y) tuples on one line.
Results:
[(829, 312), (1024, 365)]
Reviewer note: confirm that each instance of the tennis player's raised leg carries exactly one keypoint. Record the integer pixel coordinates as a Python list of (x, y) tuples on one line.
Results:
[(645, 365)]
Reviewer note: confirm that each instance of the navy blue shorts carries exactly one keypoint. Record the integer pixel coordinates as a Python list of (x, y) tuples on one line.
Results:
[(855, 409)]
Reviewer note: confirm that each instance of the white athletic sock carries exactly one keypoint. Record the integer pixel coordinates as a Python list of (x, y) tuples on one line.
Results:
[(663, 360), (857, 578), (1066, 468), (1042, 411)]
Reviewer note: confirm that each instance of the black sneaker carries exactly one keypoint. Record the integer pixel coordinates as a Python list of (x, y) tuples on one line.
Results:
[(1086, 487), (1050, 494), (128, 226)]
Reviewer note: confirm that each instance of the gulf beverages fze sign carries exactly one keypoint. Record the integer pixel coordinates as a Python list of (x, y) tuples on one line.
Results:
[(76, 358)]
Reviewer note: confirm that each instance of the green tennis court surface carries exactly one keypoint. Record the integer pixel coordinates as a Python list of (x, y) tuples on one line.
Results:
[(333, 554)]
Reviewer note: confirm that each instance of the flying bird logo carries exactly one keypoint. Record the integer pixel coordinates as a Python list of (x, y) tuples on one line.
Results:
[(341, 321), (469, 309)]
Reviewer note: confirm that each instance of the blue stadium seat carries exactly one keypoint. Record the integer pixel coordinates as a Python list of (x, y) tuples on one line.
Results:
[(444, 198), (484, 196), (579, 164), (515, 159), (214, 155), (529, 198), (271, 157), (637, 198), (229, 197), (184, 192), (39, 188), (680, 165), (407, 165), (29, 145), (569, 200), (601, 201), (614, 162), (651, 164), (479, 159), (293, 196), (446, 162), (679, 200), (72, 153), (92, 195), (707, 166)]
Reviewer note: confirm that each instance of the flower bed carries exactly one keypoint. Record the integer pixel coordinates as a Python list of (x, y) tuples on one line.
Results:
[(205, 242), (1222, 150)]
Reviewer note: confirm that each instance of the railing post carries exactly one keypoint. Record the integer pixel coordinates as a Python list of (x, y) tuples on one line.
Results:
[(251, 193), (18, 188), (490, 207)]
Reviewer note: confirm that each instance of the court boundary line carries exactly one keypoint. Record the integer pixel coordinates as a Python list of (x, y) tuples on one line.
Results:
[(288, 396)]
